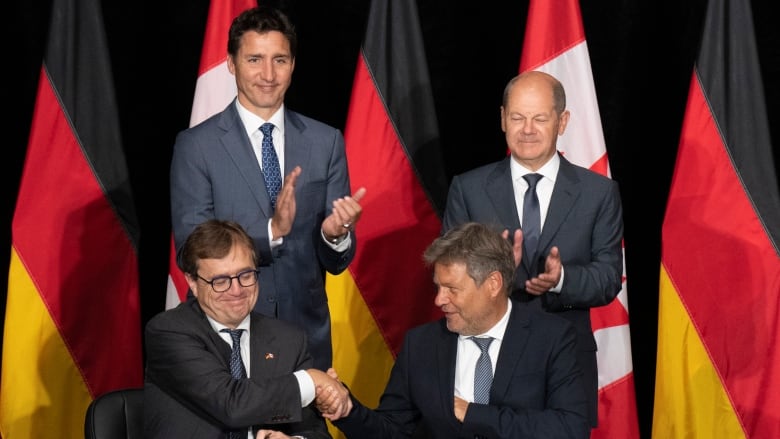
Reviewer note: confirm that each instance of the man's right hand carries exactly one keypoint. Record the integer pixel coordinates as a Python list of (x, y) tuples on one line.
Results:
[(517, 244), (284, 215), (332, 397)]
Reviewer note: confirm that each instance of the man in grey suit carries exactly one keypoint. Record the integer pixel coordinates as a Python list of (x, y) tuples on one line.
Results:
[(220, 166), (197, 385), (434, 388), (577, 260)]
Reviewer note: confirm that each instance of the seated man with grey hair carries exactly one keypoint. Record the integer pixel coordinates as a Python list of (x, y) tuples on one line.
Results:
[(491, 367)]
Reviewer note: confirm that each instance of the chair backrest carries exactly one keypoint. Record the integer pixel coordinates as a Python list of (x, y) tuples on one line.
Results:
[(118, 414)]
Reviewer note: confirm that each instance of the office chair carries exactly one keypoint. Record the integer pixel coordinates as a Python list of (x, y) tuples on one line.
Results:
[(118, 414)]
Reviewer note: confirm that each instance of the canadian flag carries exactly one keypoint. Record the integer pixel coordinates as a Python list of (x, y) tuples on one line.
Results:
[(555, 43), (214, 90)]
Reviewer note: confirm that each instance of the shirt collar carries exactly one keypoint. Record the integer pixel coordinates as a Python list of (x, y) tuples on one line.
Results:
[(548, 170), (219, 326), (252, 122)]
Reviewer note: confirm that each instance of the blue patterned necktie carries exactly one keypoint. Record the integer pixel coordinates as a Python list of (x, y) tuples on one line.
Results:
[(236, 370), (236, 364), (532, 222), (271, 172), (483, 374)]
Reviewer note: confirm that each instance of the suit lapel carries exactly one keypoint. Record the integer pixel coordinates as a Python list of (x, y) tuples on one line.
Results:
[(500, 191), (512, 347), (239, 148), (565, 192), (222, 348), (297, 147), (446, 356)]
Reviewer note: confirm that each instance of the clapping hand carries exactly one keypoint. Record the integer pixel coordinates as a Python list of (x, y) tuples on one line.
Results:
[(345, 214)]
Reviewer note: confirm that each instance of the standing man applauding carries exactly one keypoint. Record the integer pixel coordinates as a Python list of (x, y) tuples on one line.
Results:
[(281, 175), (569, 253)]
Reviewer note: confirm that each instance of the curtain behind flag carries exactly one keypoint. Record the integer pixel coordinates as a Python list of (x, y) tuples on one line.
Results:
[(555, 43), (72, 327), (717, 372), (214, 90), (393, 151)]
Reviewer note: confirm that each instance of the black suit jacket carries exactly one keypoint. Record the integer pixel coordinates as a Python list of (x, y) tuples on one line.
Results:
[(536, 392), (215, 174), (584, 220), (188, 389)]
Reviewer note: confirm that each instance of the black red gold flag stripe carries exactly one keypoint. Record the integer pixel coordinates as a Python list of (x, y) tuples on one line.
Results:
[(393, 150), (72, 326), (718, 332)]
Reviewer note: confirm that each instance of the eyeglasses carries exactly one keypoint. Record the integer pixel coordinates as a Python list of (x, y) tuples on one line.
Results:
[(220, 284)]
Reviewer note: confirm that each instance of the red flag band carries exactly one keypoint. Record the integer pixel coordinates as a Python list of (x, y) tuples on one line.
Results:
[(392, 145), (72, 324), (716, 372)]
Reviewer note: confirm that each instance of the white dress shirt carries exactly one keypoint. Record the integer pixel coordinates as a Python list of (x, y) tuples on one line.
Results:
[(468, 353), (544, 190)]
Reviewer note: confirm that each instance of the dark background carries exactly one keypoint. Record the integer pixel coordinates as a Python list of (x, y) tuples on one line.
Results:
[(642, 57)]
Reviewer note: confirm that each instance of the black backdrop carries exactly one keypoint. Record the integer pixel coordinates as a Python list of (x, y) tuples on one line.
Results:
[(642, 55)]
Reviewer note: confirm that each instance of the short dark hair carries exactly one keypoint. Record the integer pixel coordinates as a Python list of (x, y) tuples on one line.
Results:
[(480, 247), (262, 19), (213, 239)]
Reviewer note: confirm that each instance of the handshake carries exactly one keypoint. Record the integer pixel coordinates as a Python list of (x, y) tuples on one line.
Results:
[(332, 397)]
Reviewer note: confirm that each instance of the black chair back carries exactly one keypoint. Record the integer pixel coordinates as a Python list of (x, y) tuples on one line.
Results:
[(118, 414)]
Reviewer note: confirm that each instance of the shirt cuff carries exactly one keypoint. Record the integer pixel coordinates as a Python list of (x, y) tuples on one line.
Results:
[(306, 384), (342, 245), (557, 289), (273, 242)]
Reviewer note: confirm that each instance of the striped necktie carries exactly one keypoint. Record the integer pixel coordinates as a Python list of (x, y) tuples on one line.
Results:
[(483, 374)]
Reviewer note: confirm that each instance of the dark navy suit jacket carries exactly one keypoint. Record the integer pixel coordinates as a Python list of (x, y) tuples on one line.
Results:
[(584, 220), (536, 391)]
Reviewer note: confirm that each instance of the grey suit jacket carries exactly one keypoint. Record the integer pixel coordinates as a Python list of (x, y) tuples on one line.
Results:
[(584, 220), (215, 174), (188, 389), (536, 392)]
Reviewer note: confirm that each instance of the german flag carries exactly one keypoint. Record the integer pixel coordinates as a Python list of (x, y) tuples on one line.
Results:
[(717, 372), (72, 325), (392, 142)]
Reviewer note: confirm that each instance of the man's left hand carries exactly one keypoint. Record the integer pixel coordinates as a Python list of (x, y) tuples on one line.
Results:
[(551, 276), (346, 213)]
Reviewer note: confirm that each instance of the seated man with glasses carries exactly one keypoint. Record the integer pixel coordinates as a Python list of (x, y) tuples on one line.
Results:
[(215, 368)]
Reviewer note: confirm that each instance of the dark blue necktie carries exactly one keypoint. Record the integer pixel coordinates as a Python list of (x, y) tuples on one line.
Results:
[(271, 172), (236, 364), (532, 222), (236, 370), (483, 374)]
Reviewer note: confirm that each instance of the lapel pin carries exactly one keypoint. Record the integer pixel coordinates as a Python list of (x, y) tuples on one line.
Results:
[(269, 356)]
